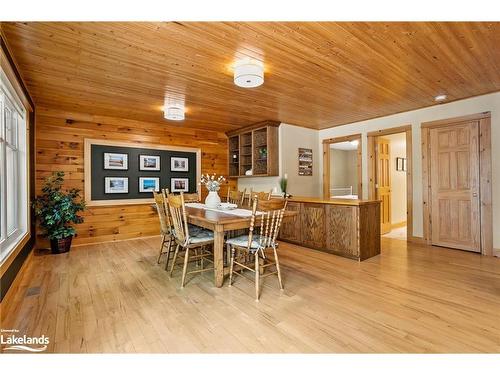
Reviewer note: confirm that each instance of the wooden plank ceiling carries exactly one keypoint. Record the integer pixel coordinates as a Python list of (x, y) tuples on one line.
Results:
[(318, 75)]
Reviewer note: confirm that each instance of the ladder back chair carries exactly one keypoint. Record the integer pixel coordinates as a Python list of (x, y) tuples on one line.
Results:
[(167, 238), (258, 241), (236, 197), (262, 195), (191, 240)]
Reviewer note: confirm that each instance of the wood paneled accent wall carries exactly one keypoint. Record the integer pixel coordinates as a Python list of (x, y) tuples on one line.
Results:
[(60, 146)]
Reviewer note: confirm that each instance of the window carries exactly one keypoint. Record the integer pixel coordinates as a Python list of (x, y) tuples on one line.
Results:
[(13, 169)]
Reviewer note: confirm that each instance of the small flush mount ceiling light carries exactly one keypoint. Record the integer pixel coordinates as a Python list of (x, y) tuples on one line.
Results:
[(174, 113), (440, 98), (355, 143), (248, 73), (174, 108)]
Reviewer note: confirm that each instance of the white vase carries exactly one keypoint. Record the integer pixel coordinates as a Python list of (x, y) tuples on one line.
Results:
[(212, 200)]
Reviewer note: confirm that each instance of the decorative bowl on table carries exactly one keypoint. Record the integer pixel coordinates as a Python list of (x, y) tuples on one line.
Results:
[(227, 206)]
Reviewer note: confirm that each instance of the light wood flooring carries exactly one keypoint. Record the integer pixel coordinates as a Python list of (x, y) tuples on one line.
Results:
[(113, 297)]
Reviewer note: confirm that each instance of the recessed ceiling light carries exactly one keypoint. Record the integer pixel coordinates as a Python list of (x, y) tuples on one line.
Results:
[(248, 73), (440, 98)]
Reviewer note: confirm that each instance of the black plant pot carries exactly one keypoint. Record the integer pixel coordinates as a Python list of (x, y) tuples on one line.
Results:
[(61, 246)]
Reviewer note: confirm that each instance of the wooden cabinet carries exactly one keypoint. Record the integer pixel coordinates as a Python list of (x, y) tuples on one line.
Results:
[(291, 228), (313, 225), (254, 148), (349, 230), (341, 230)]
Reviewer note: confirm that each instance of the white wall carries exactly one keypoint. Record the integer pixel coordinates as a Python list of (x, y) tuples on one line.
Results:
[(398, 178), (291, 138), (490, 102)]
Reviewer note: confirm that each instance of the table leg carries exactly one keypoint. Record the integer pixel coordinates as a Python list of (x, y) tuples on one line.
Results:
[(219, 255)]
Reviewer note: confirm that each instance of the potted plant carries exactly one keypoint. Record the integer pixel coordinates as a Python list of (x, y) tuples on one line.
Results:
[(57, 211)]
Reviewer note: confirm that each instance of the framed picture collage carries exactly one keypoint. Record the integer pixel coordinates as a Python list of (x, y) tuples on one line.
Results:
[(133, 173)]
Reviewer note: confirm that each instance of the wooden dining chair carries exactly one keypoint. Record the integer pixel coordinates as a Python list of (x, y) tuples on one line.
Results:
[(167, 238), (262, 195), (248, 198), (236, 197), (194, 244), (191, 197), (258, 242)]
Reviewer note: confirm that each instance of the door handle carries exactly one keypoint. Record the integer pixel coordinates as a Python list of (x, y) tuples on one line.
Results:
[(474, 194)]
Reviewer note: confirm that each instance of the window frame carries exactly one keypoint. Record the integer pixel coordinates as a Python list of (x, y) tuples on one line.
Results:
[(13, 240)]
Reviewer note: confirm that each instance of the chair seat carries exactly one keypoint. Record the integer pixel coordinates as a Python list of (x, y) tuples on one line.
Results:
[(242, 241), (200, 235)]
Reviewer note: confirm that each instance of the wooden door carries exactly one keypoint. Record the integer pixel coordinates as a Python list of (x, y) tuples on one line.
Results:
[(454, 186), (383, 183)]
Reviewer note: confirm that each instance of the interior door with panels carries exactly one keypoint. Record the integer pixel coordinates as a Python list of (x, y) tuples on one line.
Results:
[(454, 186), (383, 183)]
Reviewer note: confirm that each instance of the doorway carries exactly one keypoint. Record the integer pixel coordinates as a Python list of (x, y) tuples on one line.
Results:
[(456, 156), (342, 167), (390, 180)]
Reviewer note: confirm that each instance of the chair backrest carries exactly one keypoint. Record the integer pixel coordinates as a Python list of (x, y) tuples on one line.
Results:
[(163, 215), (191, 198), (236, 197), (178, 216), (262, 195), (248, 198), (268, 214)]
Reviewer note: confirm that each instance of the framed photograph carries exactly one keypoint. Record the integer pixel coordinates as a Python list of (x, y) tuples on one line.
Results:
[(115, 161), (149, 163), (400, 162), (116, 185), (179, 184), (179, 164), (148, 184), (305, 162)]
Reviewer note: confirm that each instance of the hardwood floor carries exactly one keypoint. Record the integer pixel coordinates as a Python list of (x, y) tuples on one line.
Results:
[(114, 298)]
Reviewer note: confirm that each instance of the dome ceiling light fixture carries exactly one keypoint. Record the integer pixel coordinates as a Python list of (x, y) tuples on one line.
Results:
[(248, 73), (440, 98), (174, 113), (174, 108)]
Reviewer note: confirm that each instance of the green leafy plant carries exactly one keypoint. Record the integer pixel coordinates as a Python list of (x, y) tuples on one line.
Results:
[(57, 210), (283, 184)]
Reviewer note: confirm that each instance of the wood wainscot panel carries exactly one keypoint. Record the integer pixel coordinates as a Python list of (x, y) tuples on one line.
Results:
[(60, 147), (342, 230), (313, 225), (291, 229), (369, 231)]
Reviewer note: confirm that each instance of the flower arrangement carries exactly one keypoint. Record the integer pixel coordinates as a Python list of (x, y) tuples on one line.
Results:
[(212, 182)]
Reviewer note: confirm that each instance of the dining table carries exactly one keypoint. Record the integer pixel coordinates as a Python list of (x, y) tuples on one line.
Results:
[(220, 222)]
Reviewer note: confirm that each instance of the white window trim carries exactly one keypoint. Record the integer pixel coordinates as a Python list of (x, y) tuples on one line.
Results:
[(14, 241)]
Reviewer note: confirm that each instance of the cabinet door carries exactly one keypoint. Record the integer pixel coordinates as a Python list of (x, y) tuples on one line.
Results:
[(313, 225), (290, 228), (342, 230)]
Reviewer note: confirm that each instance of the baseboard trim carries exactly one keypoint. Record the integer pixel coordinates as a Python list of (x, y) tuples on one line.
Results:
[(399, 225), (14, 286), (496, 253), (417, 240)]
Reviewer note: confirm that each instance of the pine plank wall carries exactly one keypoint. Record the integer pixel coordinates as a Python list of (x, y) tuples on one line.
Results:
[(60, 147)]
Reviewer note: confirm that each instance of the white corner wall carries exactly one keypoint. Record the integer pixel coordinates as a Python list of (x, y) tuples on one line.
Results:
[(484, 103)]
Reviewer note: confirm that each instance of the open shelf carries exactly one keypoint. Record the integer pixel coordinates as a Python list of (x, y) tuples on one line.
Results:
[(254, 148)]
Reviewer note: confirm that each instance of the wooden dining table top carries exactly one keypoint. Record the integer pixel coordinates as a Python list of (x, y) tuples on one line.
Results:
[(207, 216)]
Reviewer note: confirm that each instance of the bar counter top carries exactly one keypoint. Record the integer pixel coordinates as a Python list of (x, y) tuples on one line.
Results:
[(337, 201)]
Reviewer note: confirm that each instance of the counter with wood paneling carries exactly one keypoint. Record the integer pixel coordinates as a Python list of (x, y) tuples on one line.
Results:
[(345, 227)]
